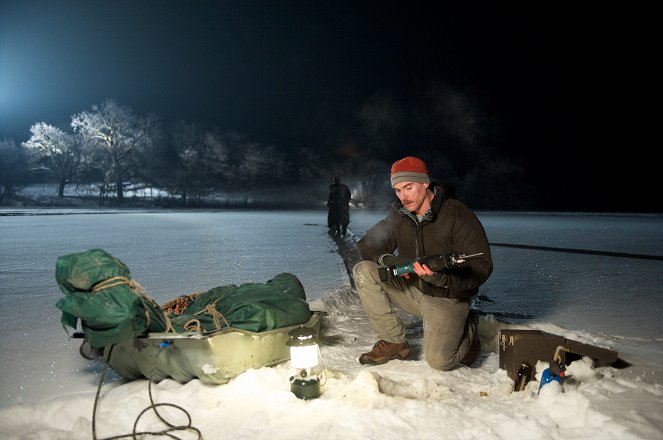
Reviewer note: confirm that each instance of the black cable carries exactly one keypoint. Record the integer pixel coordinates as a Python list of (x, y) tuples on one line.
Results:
[(581, 251), (153, 406)]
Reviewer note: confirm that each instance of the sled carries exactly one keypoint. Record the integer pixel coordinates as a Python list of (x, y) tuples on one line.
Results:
[(212, 335), (213, 358)]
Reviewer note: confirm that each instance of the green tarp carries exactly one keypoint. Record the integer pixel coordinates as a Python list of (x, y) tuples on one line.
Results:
[(98, 290), (254, 307)]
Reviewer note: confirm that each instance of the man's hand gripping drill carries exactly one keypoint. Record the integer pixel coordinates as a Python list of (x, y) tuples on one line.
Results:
[(425, 265)]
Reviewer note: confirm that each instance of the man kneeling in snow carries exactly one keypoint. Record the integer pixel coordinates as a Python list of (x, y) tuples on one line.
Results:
[(424, 222)]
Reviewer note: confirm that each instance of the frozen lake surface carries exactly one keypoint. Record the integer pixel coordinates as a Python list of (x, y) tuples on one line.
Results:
[(175, 253)]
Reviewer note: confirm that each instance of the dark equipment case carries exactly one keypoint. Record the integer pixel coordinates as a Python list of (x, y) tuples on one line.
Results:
[(518, 346)]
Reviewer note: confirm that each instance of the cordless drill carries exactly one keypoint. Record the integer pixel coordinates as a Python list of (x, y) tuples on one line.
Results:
[(434, 262)]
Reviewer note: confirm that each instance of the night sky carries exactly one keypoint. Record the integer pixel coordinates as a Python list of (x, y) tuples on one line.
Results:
[(568, 91)]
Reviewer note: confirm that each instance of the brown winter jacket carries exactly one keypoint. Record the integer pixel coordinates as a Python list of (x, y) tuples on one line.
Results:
[(449, 226)]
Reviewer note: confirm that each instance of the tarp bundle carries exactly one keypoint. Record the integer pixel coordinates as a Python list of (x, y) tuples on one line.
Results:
[(254, 307), (112, 307), (99, 290)]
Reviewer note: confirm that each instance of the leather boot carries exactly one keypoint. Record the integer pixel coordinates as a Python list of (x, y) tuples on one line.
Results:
[(475, 348), (384, 351)]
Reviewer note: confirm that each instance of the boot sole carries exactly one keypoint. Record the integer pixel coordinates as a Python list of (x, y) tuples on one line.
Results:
[(403, 355)]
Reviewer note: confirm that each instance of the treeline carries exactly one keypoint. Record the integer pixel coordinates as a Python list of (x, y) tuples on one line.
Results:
[(112, 149)]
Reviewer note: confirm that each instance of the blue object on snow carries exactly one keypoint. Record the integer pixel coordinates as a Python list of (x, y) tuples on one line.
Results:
[(548, 376)]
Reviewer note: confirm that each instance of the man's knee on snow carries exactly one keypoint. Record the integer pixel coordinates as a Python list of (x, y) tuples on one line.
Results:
[(439, 361)]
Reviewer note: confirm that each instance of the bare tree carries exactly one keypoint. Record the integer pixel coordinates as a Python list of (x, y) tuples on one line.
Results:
[(57, 151), (369, 179), (310, 165), (13, 167), (214, 159), (198, 159), (190, 172), (262, 165), (121, 135)]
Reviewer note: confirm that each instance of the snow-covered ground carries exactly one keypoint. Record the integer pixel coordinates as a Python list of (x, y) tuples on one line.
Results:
[(48, 390)]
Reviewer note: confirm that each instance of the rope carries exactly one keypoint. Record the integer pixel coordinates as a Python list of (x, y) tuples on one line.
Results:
[(136, 288), (118, 281), (211, 310), (180, 304), (192, 326), (153, 406), (169, 324)]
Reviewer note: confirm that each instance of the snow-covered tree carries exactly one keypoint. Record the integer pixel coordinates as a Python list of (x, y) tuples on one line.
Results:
[(215, 157), (262, 165), (57, 151), (310, 165), (120, 135), (198, 160), (13, 167)]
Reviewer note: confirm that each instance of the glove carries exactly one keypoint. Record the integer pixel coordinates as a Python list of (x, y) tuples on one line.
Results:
[(439, 265), (436, 263), (439, 279)]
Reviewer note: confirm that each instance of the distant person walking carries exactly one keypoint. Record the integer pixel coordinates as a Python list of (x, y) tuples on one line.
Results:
[(338, 216)]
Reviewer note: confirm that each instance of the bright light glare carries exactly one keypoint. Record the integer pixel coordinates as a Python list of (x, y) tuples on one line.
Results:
[(305, 356)]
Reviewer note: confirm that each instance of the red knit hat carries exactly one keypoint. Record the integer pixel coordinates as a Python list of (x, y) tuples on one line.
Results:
[(409, 169)]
